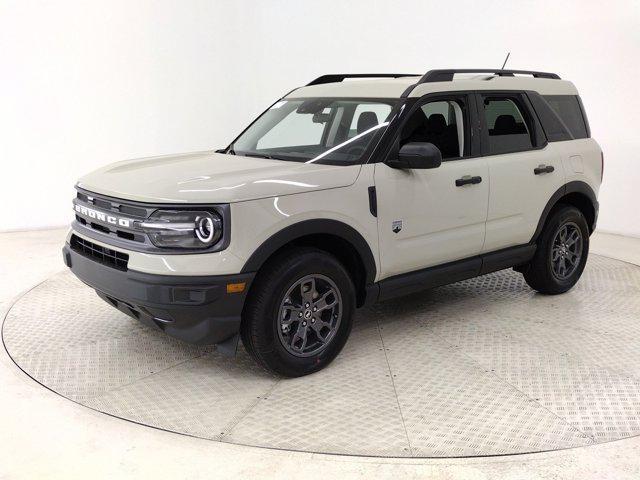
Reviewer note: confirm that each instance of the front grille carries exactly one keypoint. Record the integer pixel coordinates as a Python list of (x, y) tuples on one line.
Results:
[(118, 222), (106, 256), (115, 208)]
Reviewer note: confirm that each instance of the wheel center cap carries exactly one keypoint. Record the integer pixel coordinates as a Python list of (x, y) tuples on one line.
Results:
[(307, 314)]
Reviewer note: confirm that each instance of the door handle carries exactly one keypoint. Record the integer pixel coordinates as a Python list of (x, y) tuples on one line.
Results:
[(468, 180), (540, 169)]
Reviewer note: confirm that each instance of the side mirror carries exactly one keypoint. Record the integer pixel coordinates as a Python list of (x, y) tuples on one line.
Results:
[(417, 155)]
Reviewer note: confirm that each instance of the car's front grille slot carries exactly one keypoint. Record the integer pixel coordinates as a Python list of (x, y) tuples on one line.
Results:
[(100, 254), (133, 211), (129, 236), (100, 228), (102, 203)]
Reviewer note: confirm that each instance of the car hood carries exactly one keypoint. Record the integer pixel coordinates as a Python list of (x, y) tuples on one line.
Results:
[(206, 177)]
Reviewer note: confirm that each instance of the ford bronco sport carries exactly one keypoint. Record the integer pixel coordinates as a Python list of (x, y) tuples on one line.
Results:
[(350, 190)]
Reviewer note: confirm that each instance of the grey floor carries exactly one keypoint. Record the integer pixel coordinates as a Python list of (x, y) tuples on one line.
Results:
[(44, 435), (482, 367)]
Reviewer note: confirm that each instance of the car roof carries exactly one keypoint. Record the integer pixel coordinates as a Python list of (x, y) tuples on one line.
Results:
[(395, 87)]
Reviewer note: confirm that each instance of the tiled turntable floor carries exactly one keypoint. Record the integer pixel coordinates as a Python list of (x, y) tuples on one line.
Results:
[(482, 367)]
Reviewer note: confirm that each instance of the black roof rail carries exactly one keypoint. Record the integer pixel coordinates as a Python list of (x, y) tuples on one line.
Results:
[(339, 77), (447, 75)]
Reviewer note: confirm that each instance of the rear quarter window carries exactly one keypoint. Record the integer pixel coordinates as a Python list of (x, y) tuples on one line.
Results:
[(569, 109)]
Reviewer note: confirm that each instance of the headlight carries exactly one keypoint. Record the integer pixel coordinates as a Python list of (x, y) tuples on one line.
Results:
[(183, 229)]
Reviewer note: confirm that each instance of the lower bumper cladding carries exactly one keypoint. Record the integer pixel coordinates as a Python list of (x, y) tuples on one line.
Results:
[(203, 310)]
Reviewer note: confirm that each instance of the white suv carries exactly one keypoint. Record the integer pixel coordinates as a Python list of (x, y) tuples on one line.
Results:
[(350, 190)]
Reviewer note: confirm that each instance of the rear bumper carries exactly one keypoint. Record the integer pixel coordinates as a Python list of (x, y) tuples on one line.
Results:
[(197, 309)]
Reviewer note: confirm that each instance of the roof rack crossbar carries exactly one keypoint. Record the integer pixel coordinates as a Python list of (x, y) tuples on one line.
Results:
[(339, 77)]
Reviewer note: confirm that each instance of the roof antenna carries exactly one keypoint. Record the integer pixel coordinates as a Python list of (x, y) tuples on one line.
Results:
[(505, 60)]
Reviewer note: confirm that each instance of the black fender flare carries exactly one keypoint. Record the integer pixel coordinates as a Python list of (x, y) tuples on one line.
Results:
[(311, 227), (571, 187)]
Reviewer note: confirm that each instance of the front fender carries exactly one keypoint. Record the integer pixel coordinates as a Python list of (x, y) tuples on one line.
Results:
[(311, 227)]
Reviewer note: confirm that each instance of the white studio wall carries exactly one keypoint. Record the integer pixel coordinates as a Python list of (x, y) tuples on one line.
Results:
[(87, 83)]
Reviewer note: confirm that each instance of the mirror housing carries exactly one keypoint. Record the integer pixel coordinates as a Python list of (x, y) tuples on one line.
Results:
[(419, 155)]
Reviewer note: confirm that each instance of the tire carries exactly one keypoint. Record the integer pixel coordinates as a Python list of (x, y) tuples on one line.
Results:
[(545, 273), (272, 328)]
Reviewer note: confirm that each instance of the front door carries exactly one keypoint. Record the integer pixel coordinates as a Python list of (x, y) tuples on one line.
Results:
[(434, 216)]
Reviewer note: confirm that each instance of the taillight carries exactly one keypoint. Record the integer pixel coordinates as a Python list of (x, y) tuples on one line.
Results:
[(601, 166)]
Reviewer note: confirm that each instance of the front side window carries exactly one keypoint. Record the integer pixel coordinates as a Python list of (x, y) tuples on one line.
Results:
[(441, 122), (323, 130), (506, 125)]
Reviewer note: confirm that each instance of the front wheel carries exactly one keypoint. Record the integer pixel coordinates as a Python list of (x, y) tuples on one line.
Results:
[(562, 252), (299, 312)]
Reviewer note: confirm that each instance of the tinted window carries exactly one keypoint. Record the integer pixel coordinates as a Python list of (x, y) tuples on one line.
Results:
[(554, 128), (568, 109), (443, 123), (506, 125)]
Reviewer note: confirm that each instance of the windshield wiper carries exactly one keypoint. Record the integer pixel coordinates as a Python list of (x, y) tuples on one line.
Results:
[(228, 151), (260, 155)]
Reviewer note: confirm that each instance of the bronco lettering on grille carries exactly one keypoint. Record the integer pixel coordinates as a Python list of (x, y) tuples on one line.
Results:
[(103, 217)]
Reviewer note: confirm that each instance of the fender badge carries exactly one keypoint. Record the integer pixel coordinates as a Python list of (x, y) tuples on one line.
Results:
[(396, 226)]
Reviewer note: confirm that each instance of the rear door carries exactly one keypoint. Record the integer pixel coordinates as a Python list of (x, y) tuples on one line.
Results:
[(524, 169)]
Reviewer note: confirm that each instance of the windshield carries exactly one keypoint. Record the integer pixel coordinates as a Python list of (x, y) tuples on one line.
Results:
[(317, 130)]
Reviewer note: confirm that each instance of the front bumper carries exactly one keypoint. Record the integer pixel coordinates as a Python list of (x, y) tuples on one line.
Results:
[(196, 309)]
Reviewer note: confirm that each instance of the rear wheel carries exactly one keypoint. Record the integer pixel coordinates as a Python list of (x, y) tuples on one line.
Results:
[(299, 312), (562, 252)]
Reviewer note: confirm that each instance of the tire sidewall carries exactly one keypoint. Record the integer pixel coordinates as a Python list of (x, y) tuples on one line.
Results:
[(300, 266), (562, 216)]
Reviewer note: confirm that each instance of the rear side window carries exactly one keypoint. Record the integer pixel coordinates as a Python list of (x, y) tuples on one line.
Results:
[(568, 108), (507, 124)]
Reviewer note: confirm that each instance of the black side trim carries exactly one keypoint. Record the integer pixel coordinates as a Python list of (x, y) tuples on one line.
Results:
[(507, 258), (454, 271), (431, 277), (571, 187), (373, 201), (310, 227)]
